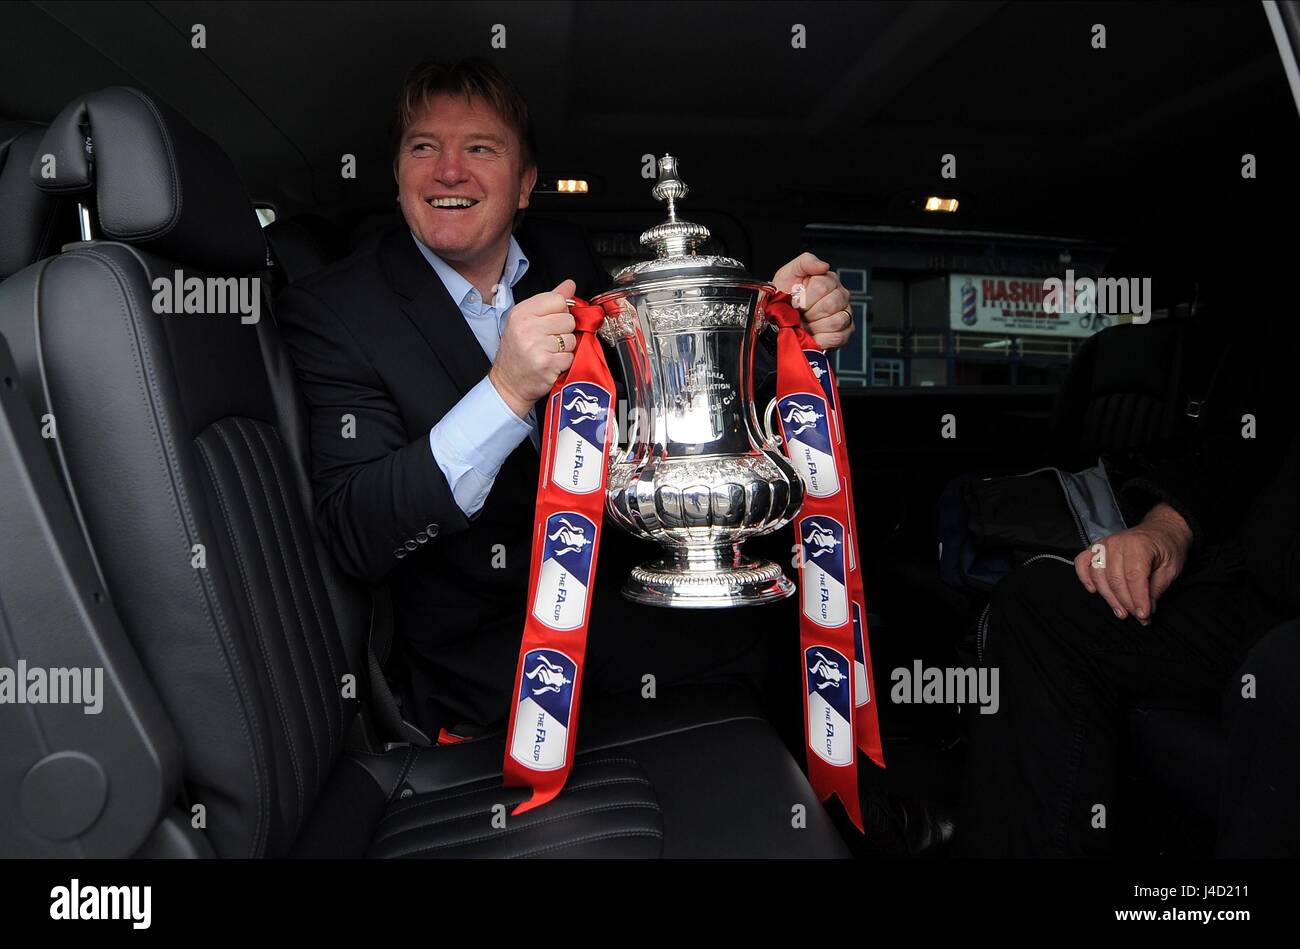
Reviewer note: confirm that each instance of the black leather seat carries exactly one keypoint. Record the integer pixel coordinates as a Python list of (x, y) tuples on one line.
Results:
[(701, 774), (301, 246), (35, 223), (182, 438), (1129, 388)]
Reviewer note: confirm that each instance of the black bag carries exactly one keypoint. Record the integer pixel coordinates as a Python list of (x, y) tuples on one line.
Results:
[(987, 526)]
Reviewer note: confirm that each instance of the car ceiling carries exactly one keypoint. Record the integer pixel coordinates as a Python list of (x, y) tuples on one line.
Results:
[(1049, 133)]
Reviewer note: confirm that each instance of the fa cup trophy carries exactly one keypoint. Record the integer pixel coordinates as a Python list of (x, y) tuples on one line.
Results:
[(698, 475)]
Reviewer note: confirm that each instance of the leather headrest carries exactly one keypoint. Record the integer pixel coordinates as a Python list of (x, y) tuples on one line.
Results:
[(34, 222), (159, 183)]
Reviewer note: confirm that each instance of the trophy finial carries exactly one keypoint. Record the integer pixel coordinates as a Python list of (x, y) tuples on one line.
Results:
[(673, 238), (670, 186)]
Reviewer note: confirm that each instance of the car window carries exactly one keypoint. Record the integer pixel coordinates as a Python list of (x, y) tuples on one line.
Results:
[(943, 308)]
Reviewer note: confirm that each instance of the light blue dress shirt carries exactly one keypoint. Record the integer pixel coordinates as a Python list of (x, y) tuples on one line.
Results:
[(472, 441)]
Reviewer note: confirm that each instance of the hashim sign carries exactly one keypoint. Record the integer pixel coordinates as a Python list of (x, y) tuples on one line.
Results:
[(1013, 306)]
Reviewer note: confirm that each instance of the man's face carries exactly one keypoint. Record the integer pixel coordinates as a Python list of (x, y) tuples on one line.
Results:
[(461, 149)]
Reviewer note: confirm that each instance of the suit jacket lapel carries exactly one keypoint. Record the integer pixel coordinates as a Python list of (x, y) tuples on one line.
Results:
[(433, 313)]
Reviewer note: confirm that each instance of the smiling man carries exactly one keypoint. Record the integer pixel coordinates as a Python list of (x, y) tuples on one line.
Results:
[(423, 360)]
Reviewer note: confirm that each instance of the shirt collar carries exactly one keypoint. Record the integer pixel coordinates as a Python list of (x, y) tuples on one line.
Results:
[(458, 286)]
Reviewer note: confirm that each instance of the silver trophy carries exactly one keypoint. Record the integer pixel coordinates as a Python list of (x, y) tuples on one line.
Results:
[(697, 475)]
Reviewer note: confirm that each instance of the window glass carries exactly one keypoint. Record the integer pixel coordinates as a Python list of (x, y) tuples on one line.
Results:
[(941, 308)]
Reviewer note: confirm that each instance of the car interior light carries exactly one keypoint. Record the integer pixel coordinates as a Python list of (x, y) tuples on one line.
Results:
[(935, 203)]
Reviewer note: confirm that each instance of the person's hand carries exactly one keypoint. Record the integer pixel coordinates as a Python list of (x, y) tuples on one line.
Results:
[(823, 299), (530, 358), (1136, 566)]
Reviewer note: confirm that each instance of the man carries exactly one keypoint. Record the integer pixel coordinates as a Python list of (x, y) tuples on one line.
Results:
[(1165, 620), (426, 362)]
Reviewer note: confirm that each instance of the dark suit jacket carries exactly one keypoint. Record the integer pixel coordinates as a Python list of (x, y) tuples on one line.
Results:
[(380, 345), (1241, 495)]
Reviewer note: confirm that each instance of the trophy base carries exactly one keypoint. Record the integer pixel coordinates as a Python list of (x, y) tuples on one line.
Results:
[(708, 579)]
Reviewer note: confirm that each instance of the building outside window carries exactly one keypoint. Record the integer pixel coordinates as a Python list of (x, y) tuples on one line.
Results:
[(937, 307)]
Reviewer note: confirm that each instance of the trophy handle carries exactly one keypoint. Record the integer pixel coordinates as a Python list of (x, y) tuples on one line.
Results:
[(774, 440)]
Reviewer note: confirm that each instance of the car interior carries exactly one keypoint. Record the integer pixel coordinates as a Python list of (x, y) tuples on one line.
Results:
[(156, 498)]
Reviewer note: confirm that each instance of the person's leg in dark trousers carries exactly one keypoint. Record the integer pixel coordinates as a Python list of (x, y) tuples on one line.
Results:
[(1259, 813), (1068, 670)]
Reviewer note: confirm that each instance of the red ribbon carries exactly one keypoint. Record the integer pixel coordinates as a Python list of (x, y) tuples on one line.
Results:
[(566, 539), (839, 714)]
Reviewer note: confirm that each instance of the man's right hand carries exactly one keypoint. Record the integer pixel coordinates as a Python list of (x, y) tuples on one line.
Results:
[(529, 359), (1139, 563)]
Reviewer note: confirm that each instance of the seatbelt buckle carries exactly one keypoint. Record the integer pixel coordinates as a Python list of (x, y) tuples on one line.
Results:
[(465, 731), (410, 735)]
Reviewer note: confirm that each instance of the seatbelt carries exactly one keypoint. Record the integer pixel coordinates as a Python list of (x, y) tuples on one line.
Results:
[(1173, 411), (388, 713), (1196, 408)]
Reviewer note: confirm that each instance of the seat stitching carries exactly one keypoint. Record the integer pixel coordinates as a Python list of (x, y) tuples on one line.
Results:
[(293, 597), (495, 785), (608, 835), (451, 819), (285, 637), (487, 784), (257, 625), (568, 788), (614, 743), (284, 499), (184, 515), (58, 445), (531, 826)]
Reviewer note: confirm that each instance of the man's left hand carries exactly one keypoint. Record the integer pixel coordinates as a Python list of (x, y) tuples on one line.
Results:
[(823, 300)]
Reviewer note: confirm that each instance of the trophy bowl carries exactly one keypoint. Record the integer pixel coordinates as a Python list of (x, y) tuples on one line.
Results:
[(697, 475)]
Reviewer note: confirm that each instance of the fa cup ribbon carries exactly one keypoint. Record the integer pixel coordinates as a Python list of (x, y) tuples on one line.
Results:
[(839, 715), (566, 540)]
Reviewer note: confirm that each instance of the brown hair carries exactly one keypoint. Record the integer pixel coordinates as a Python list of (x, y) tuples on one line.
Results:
[(473, 78)]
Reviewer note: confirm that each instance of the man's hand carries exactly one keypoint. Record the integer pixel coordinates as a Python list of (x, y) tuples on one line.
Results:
[(529, 358), (1140, 563), (823, 299)]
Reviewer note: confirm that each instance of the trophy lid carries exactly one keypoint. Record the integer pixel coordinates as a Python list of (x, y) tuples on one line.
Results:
[(675, 240)]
